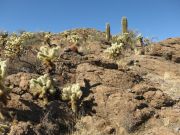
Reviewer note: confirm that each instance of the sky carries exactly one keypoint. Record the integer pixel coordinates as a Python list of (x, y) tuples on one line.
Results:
[(158, 19)]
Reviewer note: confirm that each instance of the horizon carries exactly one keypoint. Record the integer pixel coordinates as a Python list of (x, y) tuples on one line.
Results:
[(154, 19)]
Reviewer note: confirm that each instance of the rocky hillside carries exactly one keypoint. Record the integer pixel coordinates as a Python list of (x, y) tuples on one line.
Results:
[(138, 94)]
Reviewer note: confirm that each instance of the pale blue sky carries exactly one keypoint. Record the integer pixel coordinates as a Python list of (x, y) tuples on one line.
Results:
[(153, 18)]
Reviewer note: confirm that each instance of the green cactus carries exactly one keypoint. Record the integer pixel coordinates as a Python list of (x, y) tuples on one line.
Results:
[(42, 86), (108, 32), (124, 23), (72, 93)]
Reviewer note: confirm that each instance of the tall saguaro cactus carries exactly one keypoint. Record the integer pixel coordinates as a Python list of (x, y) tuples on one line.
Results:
[(124, 23), (108, 32)]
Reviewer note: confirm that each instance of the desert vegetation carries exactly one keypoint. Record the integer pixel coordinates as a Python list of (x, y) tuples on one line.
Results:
[(88, 82)]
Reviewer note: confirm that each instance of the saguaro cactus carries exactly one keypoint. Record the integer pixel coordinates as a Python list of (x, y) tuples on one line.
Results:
[(124, 23), (108, 32)]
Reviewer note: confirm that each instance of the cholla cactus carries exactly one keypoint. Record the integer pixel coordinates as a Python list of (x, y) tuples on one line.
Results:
[(3, 38), (123, 38), (128, 39), (3, 67), (74, 38), (14, 45), (47, 54), (140, 39), (3, 90), (72, 93), (3, 128), (47, 38), (4, 34), (124, 23), (26, 35), (42, 86), (114, 50), (108, 32)]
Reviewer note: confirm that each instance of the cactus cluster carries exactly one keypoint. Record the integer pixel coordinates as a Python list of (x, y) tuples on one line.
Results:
[(48, 54), (130, 39), (42, 86), (15, 43), (72, 93), (72, 37)]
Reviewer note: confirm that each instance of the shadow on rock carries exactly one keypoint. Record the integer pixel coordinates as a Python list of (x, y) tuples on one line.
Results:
[(88, 102), (33, 114)]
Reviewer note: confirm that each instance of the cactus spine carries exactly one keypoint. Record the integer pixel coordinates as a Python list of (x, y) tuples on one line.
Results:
[(124, 23), (108, 32)]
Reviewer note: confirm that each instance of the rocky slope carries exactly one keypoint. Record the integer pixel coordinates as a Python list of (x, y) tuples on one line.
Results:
[(136, 95)]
